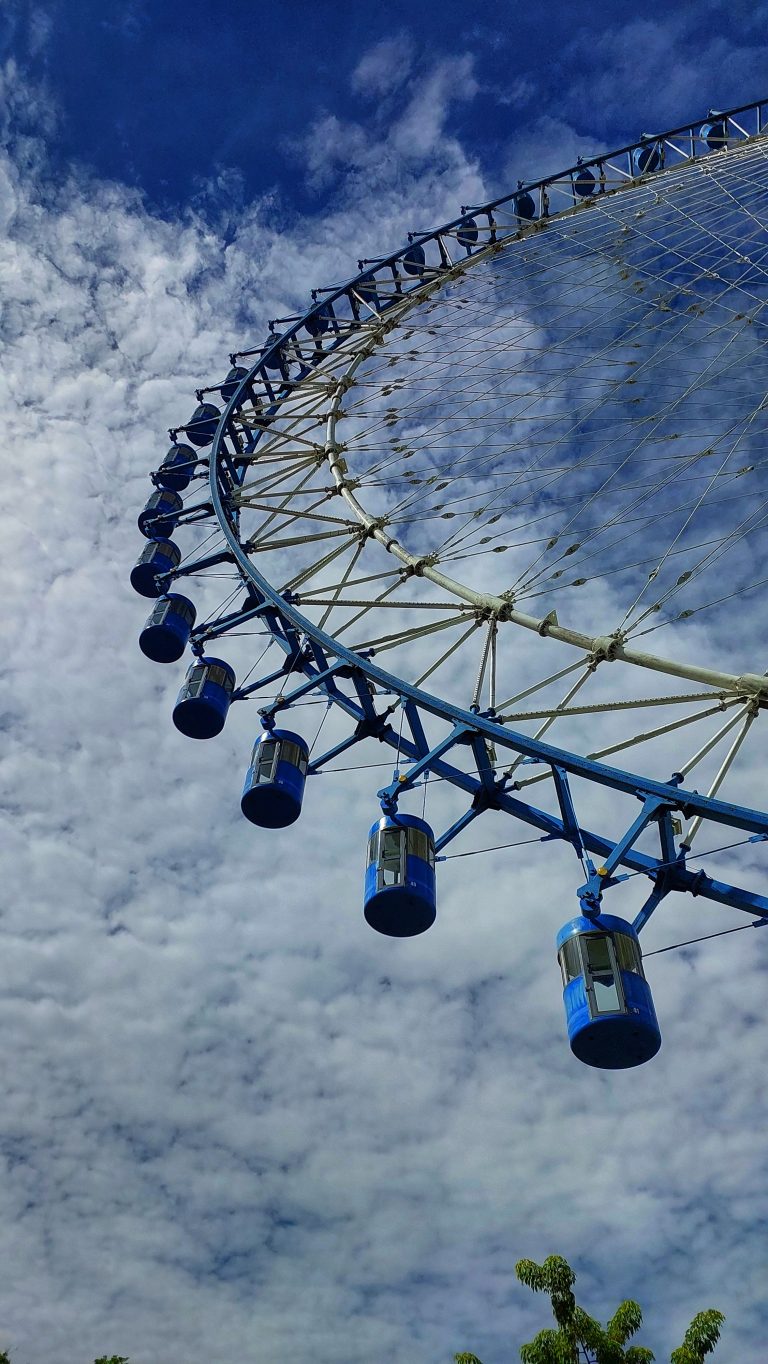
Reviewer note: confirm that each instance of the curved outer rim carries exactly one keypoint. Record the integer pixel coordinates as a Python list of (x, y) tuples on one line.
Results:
[(751, 686)]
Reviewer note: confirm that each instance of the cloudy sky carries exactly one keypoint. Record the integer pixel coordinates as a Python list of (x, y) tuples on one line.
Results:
[(236, 1124)]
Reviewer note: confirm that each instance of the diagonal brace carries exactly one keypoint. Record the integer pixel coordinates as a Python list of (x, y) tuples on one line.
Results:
[(663, 887), (406, 780), (319, 679), (571, 827), (592, 891), (223, 624), (456, 828)]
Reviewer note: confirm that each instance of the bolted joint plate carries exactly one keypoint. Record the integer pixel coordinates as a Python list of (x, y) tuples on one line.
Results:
[(754, 684), (605, 648)]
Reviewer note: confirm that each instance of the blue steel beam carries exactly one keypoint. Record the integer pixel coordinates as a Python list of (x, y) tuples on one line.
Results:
[(342, 747), (651, 807), (676, 797), (416, 728), (654, 900), (319, 679), (242, 692), (213, 628), (426, 763), (684, 880), (592, 891), (484, 769), (456, 828), (568, 812)]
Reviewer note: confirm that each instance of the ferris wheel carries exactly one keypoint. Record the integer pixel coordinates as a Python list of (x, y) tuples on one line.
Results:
[(499, 503)]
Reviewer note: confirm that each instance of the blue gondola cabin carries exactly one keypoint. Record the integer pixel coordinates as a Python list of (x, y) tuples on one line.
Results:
[(274, 785), (177, 468), (232, 382), (715, 134), (277, 358), (523, 203), (319, 320), (203, 702), (467, 234), (608, 1003), (157, 559), (166, 633), (585, 181), (201, 427), (647, 158), (400, 876), (158, 517), (414, 260)]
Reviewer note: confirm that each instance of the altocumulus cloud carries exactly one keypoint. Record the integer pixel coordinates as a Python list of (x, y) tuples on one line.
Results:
[(236, 1125)]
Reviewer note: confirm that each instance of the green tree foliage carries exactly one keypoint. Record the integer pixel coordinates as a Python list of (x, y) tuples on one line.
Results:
[(580, 1339), (5, 1358), (700, 1339)]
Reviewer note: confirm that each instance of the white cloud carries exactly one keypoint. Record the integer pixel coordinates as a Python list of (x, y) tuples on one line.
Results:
[(40, 29), (545, 146), (413, 139), (423, 123), (234, 1120), (663, 66), (384, 67), (332, 145)]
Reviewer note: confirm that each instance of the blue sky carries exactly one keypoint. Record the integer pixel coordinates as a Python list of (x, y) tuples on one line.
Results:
[(234, 1125), (168, 97)]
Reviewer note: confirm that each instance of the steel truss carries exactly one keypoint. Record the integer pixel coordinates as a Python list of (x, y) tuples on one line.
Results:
[(292, 376)]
